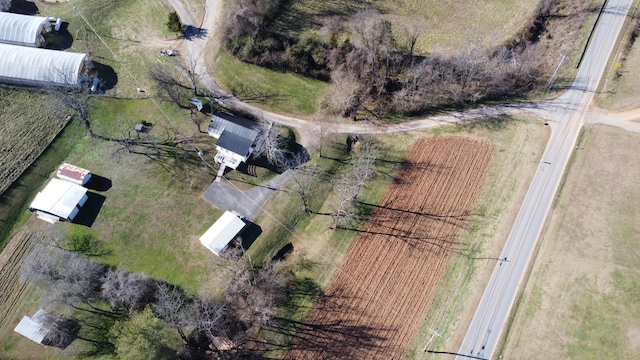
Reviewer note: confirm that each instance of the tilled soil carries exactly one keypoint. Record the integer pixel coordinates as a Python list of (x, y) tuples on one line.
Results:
[(373, 307)]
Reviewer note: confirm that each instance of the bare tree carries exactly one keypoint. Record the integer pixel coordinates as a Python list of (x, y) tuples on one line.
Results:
[(254, 292), (411, 30), (363, 168), (61, 332), (168, 86), (192, 69), (75, 99), (346, 93), (211, 320), (130, 291), (174, 307), (70, 278), (342, 202), (330, 30), (270, 144), (309, 182), (347, 186)]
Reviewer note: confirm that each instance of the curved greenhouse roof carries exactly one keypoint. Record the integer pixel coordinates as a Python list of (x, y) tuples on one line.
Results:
[(23, 30), (21, 65)]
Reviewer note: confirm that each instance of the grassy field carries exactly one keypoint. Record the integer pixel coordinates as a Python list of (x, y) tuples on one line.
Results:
[(283, 92), (29, 152), (153, 214), (444, 26), (620, 86), (581, 300), (149, 217), (133, 29)]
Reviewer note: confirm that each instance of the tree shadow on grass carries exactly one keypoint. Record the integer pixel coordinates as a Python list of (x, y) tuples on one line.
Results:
[(249, 94)]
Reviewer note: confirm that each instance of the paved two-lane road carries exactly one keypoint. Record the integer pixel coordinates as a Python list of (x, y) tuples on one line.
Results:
[(568, 115)]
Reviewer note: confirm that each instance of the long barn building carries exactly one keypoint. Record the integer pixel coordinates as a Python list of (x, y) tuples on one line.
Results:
[(28, 66), (23, 30)]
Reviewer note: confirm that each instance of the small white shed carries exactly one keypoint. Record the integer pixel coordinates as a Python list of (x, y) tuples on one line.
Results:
[(222, 232), (31, 327), (59, 200)]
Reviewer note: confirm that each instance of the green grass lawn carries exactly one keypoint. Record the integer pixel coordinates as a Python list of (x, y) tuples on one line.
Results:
[(153, 214), (581, 299), (282, 92), (442, 25), (15, 199), (133, 29)]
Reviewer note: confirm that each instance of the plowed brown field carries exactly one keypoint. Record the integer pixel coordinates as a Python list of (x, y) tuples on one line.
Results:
[(12, 290), (389, 276)]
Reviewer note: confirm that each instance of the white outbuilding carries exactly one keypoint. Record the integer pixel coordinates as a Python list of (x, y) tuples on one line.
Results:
[(32, 327), (23, 30), (222, 232), (27, 66), (59, 201)]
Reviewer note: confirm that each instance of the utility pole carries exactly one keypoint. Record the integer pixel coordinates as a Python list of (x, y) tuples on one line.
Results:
[(434, 333), (553, 77)]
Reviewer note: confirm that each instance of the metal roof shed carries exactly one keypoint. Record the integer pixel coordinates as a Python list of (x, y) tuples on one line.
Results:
[(222, 232), (27, 66), (31, 327), (59, 200), (23, 30), (75, 174)]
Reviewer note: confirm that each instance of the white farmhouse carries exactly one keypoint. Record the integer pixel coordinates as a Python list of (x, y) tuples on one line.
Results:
[(235, 138)]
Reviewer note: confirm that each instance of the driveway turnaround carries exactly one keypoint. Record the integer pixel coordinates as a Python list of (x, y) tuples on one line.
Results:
[(246, 203)]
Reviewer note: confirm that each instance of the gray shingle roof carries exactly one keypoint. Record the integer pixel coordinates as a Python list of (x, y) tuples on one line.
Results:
[(235, 143), (240, 126)]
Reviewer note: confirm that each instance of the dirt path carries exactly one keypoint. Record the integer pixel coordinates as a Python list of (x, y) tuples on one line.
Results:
[(195, 46)]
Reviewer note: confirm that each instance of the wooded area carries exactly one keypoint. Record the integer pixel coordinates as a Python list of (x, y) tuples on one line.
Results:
[(371, 70), (130, 313)]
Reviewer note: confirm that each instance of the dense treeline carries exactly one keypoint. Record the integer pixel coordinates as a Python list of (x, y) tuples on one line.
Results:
[(137, 317), (248, 37), (370, 70)]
